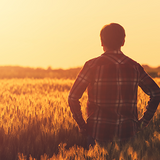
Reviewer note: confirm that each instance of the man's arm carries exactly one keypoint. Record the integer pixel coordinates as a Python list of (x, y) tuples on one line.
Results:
[(76, 93), (150, 88)]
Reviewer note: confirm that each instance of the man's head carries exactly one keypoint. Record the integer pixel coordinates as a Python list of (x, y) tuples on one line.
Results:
[(112, 36)]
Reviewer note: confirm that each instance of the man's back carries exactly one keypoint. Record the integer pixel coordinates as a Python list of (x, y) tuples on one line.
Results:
[(112, 81), (113, 92)]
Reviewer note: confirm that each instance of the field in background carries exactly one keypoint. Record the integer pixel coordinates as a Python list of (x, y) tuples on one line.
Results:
[(8, 72), (36, 123)]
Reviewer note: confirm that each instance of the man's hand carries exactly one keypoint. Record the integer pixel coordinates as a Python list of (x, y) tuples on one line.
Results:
[(141, 124)]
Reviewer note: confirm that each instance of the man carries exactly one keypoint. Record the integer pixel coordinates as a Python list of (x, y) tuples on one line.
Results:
[(112, 80)]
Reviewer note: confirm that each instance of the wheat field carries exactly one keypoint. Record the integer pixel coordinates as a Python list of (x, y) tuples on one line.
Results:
[(36, 123)]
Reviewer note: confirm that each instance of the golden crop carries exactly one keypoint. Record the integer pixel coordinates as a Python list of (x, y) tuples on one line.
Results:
[(35, 121)]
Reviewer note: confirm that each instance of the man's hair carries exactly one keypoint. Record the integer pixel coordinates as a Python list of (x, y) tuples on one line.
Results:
[(112, 36)]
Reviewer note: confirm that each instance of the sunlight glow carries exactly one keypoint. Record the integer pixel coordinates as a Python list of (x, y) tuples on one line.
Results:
[(65, 34)]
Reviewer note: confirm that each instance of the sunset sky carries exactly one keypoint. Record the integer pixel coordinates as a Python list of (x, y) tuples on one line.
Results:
[(65, 33)]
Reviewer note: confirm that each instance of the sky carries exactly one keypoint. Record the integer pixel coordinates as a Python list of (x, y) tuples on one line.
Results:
[(65, 33)]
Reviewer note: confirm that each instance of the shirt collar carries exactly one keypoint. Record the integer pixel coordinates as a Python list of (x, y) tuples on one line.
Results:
[(114, 51)]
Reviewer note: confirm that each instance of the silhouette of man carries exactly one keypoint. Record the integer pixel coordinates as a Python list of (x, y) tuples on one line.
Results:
[(112, 80)]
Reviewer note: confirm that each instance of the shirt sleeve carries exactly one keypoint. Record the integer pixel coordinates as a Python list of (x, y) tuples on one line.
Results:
[(76, 92), (149, 86)]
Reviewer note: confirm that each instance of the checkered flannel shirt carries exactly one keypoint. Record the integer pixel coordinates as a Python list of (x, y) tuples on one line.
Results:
[(112, 81)]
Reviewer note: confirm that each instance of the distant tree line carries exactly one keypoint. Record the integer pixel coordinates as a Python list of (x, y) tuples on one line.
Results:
[(153, 72), (39, 73)]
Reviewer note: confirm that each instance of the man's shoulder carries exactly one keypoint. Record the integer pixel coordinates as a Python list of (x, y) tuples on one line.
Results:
[(92, 62), (132, 62)]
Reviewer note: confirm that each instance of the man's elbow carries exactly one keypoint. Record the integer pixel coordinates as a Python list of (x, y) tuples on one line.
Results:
[(73, 101)]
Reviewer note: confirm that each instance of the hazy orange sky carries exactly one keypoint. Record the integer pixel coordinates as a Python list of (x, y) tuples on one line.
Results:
[(65, 33)]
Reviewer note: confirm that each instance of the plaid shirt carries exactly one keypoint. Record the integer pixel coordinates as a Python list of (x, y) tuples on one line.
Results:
[(112, 80)]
